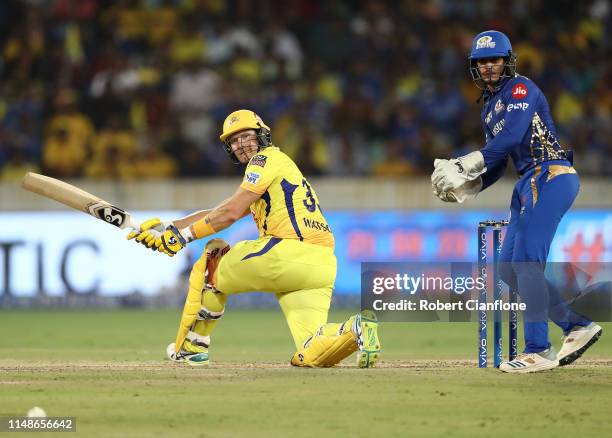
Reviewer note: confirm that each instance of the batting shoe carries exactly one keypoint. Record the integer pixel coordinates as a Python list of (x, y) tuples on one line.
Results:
[(531, 362), (365, 326), (577, 341), (194, 359)]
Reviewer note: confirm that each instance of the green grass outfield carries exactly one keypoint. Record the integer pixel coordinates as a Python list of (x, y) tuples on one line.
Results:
[(105, 368)]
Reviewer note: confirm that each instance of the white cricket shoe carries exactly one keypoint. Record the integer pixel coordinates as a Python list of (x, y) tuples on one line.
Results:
[(531, 362), (577, 341), (193, 359)]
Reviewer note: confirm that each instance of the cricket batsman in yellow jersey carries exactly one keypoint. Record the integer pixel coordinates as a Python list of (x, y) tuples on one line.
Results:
[(292, 258)]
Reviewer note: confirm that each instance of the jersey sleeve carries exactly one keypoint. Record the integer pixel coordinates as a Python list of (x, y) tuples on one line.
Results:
[(493, 173), (259, 174), (520, 107)]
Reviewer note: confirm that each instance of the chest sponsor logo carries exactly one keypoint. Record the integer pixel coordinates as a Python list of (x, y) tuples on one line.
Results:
[(498, 127), (485, 42), (258, 160), (499, 107), (519, 91), (489, 117), (253, 177), (518, 106)]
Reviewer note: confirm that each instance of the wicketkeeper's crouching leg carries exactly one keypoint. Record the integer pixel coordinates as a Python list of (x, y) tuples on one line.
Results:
[(204, 306)]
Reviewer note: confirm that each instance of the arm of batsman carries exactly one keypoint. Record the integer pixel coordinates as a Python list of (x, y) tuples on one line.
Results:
[(451, 174)]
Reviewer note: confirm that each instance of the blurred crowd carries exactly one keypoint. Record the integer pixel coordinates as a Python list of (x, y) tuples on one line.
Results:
[(139, 88)]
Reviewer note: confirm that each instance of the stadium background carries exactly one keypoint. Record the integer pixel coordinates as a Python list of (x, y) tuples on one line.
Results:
[(126, 99)]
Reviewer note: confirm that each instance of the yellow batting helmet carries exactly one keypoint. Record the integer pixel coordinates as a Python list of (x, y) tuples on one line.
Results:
[(241, 120)]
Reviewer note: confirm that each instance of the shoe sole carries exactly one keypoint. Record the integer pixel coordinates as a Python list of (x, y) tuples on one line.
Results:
[(572, 357), (369, 351), (197, 364), (552, 365), (190, 363)]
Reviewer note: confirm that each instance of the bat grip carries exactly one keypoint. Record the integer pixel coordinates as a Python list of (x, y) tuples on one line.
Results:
[(132, 223)]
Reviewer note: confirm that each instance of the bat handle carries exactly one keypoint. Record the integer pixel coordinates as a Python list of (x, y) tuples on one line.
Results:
[(132, 223)]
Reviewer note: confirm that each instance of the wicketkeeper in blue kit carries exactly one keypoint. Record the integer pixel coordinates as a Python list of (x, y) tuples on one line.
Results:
[(518, 124)]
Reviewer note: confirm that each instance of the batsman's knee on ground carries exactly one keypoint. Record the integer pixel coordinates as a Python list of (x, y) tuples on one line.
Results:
[(322, 351), (332, 343)]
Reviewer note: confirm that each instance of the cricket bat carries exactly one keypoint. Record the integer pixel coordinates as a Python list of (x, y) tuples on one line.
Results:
[(78, 199)]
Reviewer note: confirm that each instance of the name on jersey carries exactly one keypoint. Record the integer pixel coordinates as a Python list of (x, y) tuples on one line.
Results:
[(253, 177), (498, 126), (258, 160), (519, 91), (316, 225), (516, 106)]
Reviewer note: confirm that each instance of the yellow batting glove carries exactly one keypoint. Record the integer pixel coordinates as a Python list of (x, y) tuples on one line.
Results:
[(149, 230), (172, 240)]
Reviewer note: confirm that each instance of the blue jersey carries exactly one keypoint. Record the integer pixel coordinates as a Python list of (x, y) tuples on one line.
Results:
[(517, 123)]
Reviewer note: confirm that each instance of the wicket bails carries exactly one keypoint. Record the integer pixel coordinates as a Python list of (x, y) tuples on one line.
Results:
[(497, 295)]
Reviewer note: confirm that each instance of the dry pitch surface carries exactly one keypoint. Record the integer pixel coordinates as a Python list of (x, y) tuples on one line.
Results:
[(105, 369)]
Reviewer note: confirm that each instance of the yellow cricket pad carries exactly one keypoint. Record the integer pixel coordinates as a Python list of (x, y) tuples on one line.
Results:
[(326, 351), (193, 302)]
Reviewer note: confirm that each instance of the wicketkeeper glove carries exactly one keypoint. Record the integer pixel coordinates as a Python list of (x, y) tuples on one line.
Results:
[(465, 192), (450, 174)]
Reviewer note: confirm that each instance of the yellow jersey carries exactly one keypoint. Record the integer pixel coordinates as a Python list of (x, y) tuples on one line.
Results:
[(288, 207)]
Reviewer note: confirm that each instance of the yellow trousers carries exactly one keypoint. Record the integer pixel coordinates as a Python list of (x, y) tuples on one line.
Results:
[(302, 276)]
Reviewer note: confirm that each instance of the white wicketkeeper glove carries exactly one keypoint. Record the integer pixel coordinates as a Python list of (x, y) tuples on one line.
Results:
[(448, 175), (467, 191)]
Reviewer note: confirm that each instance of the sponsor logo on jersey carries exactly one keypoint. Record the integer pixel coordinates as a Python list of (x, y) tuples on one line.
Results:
[(253, 177), (518, 106), (499, 107), (489, 117), (498, 126), (485, 42), (519, 91), (258, 160)]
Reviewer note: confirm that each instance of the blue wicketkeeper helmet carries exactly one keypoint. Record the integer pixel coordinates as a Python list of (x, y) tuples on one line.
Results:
[(491, 44)]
